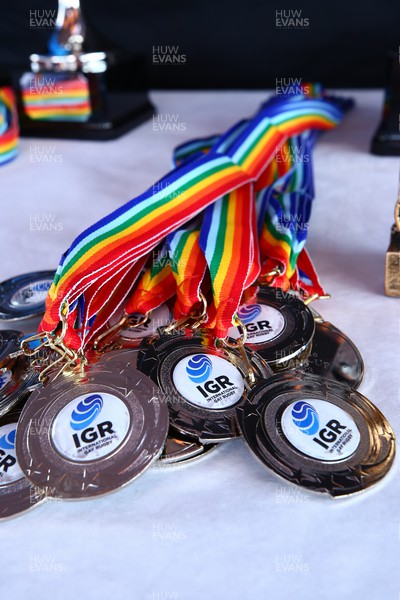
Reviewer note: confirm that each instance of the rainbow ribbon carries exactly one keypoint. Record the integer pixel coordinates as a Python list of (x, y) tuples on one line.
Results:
[(9, 128), (284, 207), (188, 267), (131, 232), (283, 219), (228, 238), (155, 287), (56, 97)]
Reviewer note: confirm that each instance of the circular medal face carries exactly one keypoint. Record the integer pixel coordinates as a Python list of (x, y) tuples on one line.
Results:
[(317, 433), (99, 431), (279, 327), (203, 384), (16, 493), (334, 356), (24, 296), (132, 336), (179, 450)]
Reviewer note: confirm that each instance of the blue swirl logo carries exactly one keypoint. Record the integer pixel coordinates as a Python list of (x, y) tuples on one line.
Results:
[(7, 441), (199, 368), (305, 417), (249, 313), (86, 411)]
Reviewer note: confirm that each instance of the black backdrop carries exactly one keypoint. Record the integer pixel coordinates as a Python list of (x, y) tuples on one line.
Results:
[(226, 44)]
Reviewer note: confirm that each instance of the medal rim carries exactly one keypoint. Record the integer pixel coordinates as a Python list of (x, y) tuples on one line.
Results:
[(300, 337), (110, 472), (190, 420), (10, 286), (320, 326), (296, 467), (16, 498)]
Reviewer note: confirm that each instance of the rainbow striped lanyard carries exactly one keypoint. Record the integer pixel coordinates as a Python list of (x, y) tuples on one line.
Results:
[(228, 235), (98, 261), (9, 128)]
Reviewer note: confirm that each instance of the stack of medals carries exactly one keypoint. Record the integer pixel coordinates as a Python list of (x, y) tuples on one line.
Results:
[(181, 321)]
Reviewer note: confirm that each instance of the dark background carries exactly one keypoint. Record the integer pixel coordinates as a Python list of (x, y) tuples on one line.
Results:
[(227, 44)]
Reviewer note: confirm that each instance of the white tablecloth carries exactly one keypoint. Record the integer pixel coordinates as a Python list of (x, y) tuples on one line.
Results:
[(224, 527)]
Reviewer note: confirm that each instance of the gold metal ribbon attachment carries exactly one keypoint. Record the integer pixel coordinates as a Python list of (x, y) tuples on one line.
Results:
[(192, 321), (239, 345)]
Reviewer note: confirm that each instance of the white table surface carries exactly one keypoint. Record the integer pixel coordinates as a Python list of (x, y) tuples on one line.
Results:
[(224, 527)]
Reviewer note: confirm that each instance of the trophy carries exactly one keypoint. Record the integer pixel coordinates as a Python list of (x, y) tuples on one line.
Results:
[(386, 140), (392, 265), (73, 93)]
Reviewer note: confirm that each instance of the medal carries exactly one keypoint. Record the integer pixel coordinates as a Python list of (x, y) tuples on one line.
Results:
[(193, 350), (203, 383), (317, 433), (17, 495), (279, 328), (24, 296), (334, 355), (104, 426), (177, 449)]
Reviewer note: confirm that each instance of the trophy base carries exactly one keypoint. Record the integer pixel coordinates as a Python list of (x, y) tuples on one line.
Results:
[(386, 140), (76, 105), (125, 110), (385, 143)]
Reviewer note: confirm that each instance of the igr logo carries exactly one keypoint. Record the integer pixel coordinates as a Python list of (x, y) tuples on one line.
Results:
[(305, 417), (248, 315), (83, 415), (199, 370), (7, 442)]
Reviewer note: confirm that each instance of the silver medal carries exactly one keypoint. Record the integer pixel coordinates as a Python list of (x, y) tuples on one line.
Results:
[(17, 494), (202, 383), (333, 354), (279, 328), (317, 433), (24, 296), (100, 429)]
